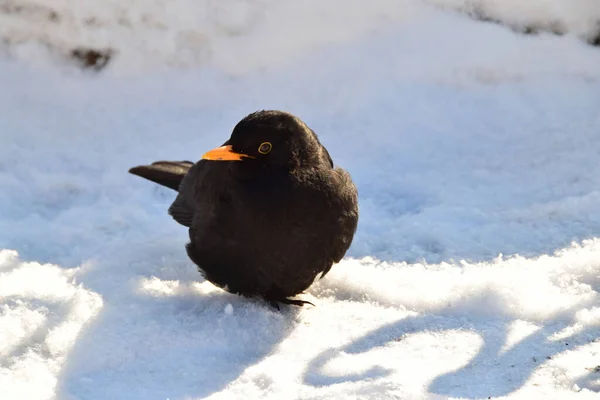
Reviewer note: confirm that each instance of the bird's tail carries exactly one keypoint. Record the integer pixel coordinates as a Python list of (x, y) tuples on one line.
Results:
[(166, 173)]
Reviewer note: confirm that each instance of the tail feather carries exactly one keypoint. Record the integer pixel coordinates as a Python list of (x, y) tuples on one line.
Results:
[(165, 173)]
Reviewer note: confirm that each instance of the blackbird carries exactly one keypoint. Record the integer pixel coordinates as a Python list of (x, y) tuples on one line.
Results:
[(267, 211)]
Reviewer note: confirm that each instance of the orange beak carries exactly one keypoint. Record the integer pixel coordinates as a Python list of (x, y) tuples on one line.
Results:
[(224, 153)]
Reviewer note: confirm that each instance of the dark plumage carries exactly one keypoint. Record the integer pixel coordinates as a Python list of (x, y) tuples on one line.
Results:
[(267, 212)]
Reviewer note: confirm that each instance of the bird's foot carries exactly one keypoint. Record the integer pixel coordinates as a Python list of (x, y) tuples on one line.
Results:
[(274, 304), (299, 303)]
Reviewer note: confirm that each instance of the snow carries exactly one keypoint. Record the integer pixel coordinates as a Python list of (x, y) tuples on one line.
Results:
[(42, 314), (579, 17), (475, 271)]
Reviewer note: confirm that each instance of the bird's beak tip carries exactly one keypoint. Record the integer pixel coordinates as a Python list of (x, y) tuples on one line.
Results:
[(223, 153)]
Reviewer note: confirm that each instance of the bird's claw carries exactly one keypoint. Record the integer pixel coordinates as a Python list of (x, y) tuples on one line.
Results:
[(298, 303)]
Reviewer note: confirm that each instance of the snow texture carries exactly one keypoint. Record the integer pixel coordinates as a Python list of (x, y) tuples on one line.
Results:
[(579, 17), (475, 271)]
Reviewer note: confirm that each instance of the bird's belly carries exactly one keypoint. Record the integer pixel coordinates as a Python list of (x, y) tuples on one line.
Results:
[(278, 263)]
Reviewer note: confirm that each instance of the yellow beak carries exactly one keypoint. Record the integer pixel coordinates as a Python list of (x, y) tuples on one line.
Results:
[(224, 153)]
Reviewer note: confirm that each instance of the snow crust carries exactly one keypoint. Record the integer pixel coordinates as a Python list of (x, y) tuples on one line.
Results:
[(475, 271)]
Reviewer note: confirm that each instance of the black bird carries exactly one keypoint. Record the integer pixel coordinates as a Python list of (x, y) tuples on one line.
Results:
[(267, 211)]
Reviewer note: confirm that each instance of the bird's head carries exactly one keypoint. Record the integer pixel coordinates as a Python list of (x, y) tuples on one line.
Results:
[(271, 138)]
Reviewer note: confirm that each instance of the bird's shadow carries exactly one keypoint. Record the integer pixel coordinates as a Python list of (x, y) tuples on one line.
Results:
[(492, 372), (171, 335), (196, 350)]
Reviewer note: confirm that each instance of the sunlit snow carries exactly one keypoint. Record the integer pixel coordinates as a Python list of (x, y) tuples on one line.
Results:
[(475, 271)]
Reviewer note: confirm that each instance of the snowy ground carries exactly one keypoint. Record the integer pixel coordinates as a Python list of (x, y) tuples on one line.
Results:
[(475, 271)]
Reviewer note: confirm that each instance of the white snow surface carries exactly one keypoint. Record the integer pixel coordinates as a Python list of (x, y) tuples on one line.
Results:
[(475, 271), (579, 17)]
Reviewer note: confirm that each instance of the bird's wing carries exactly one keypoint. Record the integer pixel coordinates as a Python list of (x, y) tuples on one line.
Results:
[(183, 208), (181, 211), (348, 206)]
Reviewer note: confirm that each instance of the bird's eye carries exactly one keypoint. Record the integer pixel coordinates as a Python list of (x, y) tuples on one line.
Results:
[(265, 148)]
